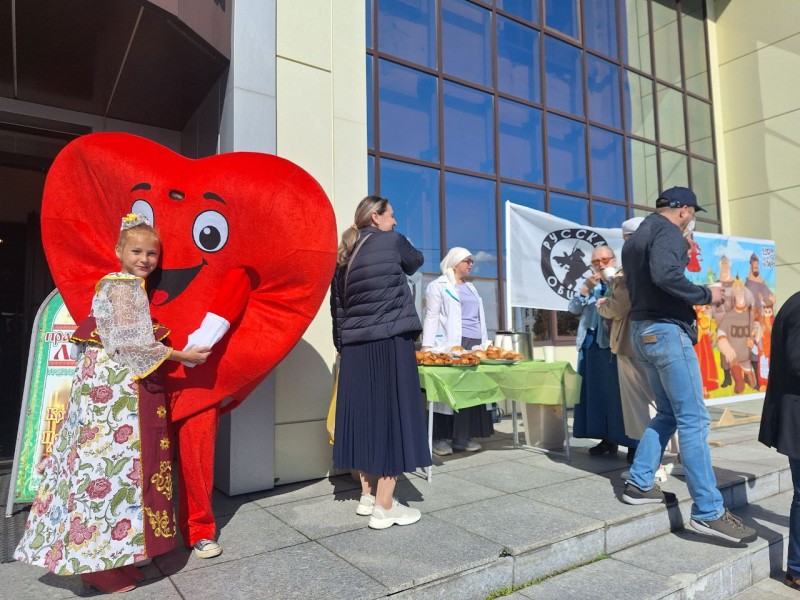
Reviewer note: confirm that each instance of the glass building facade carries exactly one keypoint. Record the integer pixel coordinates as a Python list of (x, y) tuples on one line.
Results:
[(581, 108)]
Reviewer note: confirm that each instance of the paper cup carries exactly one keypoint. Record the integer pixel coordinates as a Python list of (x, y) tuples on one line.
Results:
[(549, 353), (608, 273)]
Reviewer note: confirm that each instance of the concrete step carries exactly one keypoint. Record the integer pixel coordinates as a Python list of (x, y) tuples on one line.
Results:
[(680, 564), (643, 560), (646, 550)]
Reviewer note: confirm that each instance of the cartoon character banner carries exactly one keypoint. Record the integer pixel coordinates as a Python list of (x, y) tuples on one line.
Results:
[(548, 259), (734, 338)]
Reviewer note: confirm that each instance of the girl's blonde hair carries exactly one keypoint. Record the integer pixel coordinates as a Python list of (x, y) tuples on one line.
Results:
[(362, 219), (142, 229)]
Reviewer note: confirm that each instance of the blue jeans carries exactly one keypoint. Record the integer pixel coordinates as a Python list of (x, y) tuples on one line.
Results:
[(793, 558), (674, 374)]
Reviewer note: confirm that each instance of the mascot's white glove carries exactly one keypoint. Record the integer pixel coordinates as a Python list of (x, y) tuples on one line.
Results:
[(209, 333)]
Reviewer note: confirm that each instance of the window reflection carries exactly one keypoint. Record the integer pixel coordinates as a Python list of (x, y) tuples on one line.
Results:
[(466, 41), (370, 100), (694, 47), (408, 30), (368, 10), (541, 324), (525, 196), (608, 215), (520, 141), (370, 174), (527, 9), (570, 207), (468, 201), (671, 125), (603, 87), (674, 170), (640, 111), (564, 76), (636, 39), (665, 41), (517, 59), (468, 128), (700, 140), (705, 186), (600, 26), (643, 172), (408, 112), (608, 178), (566, 146), (567, 324), (530, 197), (563, 15), (414, 193)]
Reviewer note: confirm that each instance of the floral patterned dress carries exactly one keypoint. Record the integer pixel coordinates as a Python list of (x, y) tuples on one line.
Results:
[(106, 497)]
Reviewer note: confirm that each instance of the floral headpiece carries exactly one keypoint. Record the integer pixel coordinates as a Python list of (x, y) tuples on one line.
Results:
[(132, 220)]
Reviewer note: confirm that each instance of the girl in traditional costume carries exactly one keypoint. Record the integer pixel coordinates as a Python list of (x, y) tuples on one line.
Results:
[(105, 501)]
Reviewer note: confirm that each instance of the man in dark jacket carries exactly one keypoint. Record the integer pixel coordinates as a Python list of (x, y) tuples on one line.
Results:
[(780, 421), (663, 335)]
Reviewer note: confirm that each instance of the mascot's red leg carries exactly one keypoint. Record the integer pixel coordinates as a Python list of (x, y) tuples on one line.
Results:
[(196, 439)]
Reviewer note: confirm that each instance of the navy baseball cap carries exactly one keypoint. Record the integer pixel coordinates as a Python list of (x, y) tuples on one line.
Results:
[(676, 197)]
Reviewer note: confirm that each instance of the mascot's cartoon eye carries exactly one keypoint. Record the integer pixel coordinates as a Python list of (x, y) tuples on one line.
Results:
[(210, 231), (141, 207)]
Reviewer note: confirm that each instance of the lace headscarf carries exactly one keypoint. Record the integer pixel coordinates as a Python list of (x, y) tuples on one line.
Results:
[(449, 262)]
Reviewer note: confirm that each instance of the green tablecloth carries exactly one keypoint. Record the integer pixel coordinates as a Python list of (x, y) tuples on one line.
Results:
[(532, 382)]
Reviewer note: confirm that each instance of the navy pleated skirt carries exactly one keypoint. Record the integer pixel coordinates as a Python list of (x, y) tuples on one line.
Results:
[(380, 421)]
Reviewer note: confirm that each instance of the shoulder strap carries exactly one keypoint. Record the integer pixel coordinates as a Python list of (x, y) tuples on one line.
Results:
[(347, 271)]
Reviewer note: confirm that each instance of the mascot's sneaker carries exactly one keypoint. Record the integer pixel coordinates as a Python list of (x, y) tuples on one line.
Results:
[(399, 514), (365, 505), (207, 549)]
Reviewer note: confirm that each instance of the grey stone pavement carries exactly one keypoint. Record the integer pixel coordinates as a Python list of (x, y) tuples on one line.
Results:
[(493, 522)]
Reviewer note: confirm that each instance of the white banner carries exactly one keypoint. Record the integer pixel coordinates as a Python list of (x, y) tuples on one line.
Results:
[(547, 258)]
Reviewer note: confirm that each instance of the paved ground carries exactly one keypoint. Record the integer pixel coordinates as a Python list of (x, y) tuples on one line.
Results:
[(490, 518)]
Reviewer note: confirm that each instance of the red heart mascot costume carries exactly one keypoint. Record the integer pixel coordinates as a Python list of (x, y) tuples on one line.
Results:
[(249, 247)]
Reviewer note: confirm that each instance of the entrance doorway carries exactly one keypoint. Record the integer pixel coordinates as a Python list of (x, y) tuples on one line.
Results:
[(25, 281)]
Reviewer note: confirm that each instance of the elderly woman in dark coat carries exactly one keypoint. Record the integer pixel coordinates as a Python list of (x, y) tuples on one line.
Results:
[(380, 422), (780, 421)]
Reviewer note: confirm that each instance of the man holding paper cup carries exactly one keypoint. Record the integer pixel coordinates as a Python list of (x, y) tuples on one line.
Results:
[(663, 333)]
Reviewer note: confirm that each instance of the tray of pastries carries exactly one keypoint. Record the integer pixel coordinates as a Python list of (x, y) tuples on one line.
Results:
[(457, 357), (494, 355)]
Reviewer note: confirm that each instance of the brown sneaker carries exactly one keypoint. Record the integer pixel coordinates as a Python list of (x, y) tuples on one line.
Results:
[(727, 527), (635, 495)]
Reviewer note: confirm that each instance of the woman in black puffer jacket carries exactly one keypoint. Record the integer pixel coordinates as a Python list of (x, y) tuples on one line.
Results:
[(380, 423)]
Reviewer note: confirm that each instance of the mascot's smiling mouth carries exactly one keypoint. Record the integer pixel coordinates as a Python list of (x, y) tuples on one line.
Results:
[(167, 284)]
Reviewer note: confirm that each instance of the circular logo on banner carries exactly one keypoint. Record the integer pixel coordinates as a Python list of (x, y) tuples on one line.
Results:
[(566, 258)]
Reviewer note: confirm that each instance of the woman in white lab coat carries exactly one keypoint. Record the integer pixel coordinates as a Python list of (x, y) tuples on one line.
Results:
[(454, 317)]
